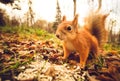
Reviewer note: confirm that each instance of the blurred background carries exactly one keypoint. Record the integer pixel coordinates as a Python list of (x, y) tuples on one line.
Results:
[(46, 14)]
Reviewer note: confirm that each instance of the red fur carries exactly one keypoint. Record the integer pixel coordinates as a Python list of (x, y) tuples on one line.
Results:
[(79, 40)]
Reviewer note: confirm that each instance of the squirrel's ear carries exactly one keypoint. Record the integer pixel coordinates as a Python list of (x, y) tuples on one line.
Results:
[(75, 21), (105, 16), (64, 18)]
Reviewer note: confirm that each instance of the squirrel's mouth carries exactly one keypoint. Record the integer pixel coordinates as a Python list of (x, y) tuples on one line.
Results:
[(59, 37)]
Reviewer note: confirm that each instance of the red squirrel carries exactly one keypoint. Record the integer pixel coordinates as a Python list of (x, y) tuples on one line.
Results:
[(85, 40)]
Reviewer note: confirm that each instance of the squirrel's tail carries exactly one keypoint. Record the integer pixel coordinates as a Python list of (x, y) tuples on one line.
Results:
[(96, 26)]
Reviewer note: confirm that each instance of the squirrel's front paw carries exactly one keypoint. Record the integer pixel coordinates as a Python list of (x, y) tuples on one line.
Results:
[(82, 66)]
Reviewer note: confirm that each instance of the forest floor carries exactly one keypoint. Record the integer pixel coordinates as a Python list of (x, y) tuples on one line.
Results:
[(28, 57)]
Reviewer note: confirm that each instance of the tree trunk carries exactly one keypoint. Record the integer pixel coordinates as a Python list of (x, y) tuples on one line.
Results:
[(99, 5), (74, 1)]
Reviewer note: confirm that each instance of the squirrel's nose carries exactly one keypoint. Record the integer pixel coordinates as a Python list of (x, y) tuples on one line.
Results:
[(57, 36)]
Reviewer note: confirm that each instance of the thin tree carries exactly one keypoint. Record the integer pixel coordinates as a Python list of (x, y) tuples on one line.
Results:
[(30, 14), (58, 16), (74, 1), (99, 5), (118, 37), (111, 38)]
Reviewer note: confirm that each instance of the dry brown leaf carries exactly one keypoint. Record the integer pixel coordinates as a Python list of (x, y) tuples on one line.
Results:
[(50, 71)]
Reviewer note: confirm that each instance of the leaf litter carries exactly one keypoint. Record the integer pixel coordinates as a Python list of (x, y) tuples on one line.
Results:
[(35, 60)]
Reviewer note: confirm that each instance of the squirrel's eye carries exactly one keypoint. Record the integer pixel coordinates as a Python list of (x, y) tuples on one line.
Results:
[(69, 28)]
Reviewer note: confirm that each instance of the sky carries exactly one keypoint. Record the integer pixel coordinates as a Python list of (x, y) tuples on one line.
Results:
[(46, 9)]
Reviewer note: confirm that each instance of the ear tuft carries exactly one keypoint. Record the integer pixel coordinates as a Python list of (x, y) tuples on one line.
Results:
[(75, 21), (64, 18), (105, 16), (76, 16)]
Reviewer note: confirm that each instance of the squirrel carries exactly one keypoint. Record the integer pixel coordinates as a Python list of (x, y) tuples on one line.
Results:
[(82, 40)]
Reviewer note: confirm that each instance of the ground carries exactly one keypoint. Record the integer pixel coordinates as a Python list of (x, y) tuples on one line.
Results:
[(30, 58)]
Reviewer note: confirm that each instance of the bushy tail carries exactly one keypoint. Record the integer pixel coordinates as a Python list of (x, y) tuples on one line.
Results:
[(96, 26)]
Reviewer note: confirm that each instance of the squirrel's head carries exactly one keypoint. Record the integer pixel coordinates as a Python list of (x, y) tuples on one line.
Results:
[(67, 30)]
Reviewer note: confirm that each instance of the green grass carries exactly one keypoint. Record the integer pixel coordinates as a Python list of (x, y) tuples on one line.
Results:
[(27, 31), (31, 33), (110, 47)]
